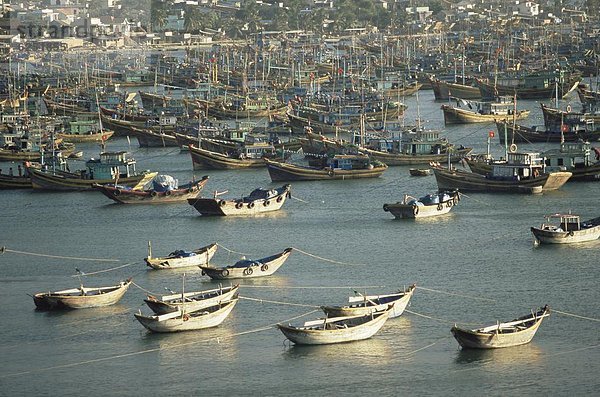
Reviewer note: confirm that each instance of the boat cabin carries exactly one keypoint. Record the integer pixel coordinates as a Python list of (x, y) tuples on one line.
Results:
[(571, 155), (349, 162), (519, 166), (110, 166), (568, 222)]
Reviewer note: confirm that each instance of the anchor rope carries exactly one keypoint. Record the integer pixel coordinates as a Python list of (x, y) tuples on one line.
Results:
[(104, 271), (441, 320), (327, 260), (455, 294), (313, 287), (137, 353), (231, 251), (144, 289), (4, 249), (278, 302), (573, 315)]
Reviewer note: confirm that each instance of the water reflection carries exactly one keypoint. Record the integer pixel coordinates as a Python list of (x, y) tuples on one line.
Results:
[(374, 351), (525, 355)]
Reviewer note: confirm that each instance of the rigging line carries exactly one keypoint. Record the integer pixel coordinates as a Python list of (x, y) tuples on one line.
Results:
[(4, 249), (104, 271), (574, 315), (455, 294), (278, 302), (429, 317), (328, 260), (137, 353), (574, 350)]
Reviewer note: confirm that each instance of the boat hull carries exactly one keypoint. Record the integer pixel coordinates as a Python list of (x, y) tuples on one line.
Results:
[(466, 181), (195, 321), (204, 159), (556, 237), (194, 300), (123, 196), (53, 301), (207, 206), (202, 257), (453, 115), (46, 180), (486, 340), (367, 329), (399, 159), (413, 211), (395, 304), (288, 172), (83, 138), (259, 269)]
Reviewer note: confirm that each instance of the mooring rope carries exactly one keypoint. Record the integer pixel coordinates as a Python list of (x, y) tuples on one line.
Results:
[(313, 287), (4, 249), (299, 199), (145, 290), (441, 320), (232, 251), (104, 271), (278, 302), (137, 353), (455, 294), (573, 315), (327, 260)]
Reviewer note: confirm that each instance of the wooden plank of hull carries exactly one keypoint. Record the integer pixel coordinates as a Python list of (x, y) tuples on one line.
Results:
[(575, 236), (288, 172), (202, 257), (411, 211), (398, 159), (45, 180), (265, 269), (442, 90), (365, 330), (147, 197), (521, 134), (202, 159), (14, 182), (193, 321), (589, 173), (461, 116), (218, 207), (193, 300), (149, 138), (57, 301), (492, 340), (82, 138), (396, 307), (465, 181)]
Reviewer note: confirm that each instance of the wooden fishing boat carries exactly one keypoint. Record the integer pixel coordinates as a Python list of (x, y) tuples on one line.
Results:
[(191, 301), (420, 171), (151, 138), (522, 173), (507, 132), (257, 202), (579, 158), (426, 206), (569, 230), (8, 181), (82, 297), (248, 268), (537, 85), (482, 112), (148, 191), (360, 305), (181, 259), (187, 320), (421, 147), (336, 329), (340, 167), (514, 333), (442, 90), (557, 117), (203, 159), (110, 167)]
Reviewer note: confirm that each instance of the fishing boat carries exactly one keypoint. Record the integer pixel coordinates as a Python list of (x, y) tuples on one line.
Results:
[(340, 167), (536, 85), (514, 333), (335, 329), (556, 117), (111, 167), (420, 171), (21, 180), (246, 268), (82, 297), (153, 189), (569, 230), (183, 320), (179, 259), (579, 158), (426, 206), (191, 301), (442, 90), (359, 304), (251, 157), (147, 137), (465, 112), (521, 173), (259, 201), (420, 147), (516, 133)]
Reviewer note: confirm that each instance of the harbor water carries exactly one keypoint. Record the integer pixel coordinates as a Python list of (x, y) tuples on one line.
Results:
[(475, 266)]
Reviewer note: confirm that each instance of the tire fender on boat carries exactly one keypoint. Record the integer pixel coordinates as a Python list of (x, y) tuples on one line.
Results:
[(279, 199), (386, 208), (266, 203), (449, 204), (153, 193), (440, 206), (415, 210), (222, 203), (239, 205), (264, 268), (248, 271), (168, 193), (186, 317), (224, 272), (250, 205), (330, 173), (190, 190), (117, 192)]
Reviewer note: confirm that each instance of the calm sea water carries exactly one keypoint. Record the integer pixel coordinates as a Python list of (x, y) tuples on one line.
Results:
[(482, 249)]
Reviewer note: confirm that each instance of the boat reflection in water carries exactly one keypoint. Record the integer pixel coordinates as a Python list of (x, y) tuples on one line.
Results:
[(499, 360)]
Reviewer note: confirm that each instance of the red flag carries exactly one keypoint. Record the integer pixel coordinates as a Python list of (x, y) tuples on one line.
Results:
[(491, 134), (340, 70), (564, 128)]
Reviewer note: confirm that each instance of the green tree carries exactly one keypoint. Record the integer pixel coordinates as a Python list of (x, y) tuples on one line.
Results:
[(158, 13)]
